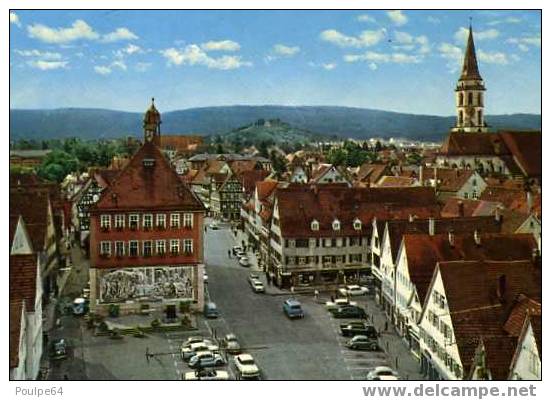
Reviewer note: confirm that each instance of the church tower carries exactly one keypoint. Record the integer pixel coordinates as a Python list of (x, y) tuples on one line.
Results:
[(469, 93), (152, 124)]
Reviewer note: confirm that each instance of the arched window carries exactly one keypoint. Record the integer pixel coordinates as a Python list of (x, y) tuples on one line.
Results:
[(357, 224), (480, 99), (479, 117), (460, 99), (315, 225), (336, 225), (470, 98), (460, 118)]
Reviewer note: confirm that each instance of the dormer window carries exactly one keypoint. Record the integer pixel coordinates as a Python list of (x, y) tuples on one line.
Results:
[(357, 224), (336, 225), (315, 225)]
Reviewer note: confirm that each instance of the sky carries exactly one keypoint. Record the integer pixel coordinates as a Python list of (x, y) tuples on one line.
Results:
[(406, 61)]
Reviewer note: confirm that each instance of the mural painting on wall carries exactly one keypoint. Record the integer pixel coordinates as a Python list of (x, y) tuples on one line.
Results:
[(147, 283)]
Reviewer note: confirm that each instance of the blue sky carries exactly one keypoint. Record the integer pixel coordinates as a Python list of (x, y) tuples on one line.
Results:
[(405, 61)]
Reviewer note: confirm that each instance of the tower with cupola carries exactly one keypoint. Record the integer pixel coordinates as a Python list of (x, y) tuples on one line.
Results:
[(152, 124), (469, 93)]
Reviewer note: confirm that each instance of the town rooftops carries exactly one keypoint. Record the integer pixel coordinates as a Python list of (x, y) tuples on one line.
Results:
[(300, 205), (32, 205), (423, 251), (226, 157), (249, 179), (498, 353), (147, 182), (451, 180), (479, 296), (180, 142), (396, 181), (457, 207), (371, 172)]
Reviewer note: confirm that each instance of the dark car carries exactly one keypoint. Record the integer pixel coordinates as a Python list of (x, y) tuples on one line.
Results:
[(358, 328), (349, 312), (361, 342)]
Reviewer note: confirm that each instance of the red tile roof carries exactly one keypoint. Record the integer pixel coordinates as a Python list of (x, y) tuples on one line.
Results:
[(498, 354), (16, 311), (32, 205), (249, 179), (23, 274), (526, 149), (451, 180), (470, 207), (424, 251), (265, 188), (477, 308), (371, 172), (523, 306), (180, 142), (299, 205), (139, 186)]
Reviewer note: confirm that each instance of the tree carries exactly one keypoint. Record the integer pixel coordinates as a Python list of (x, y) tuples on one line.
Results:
[(58, 164), (278, 164)]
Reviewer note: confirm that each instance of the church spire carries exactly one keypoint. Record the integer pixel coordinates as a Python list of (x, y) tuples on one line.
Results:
[(152, 124), (470, 65)]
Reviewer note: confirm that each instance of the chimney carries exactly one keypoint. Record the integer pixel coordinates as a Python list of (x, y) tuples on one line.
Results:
[(460, 209), (501, 287), (451, 238), (477, 237), (431, 226)]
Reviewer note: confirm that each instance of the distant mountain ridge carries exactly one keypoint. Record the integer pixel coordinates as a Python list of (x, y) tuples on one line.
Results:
[(344, 122)]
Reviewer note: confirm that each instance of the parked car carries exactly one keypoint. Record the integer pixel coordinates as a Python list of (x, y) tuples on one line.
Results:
[(80, 306), (210, 310), (193, 349), (349, 312), (193, 339), (246, 367), (231, 344), (59, 349), (241, 253), (258, 287), (333, 305), (353, 290), (383, 374), (206, 375), (362, 342), (236, 249), (292, 308), (253, 277), (358, 328), (244, 261), (205, 359)]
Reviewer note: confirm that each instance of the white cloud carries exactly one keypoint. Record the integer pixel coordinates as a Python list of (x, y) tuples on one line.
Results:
[(409, 42), (102, 70), (508, 20), (372, 66), (376, 57), (403, 37), (222, 45), (47, 65), (45, 55), (194, 55), (463, 33), (285, 51), (14, 19), (142, 66), (433, 20), (119, 34), (397, 17), (128, 51), (365, 39), (78, 30), (492, 57), (453, 54), (329, 66), (119, 64), (365, 18), (524, 43)]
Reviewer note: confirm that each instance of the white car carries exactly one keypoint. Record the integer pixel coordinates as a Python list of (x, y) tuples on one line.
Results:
[(246, 367), (194, 348), (244, 261), (213, 226), (334, 305), (206, 375), (383, 374), (353, 290), (258, 287), (193, 339)]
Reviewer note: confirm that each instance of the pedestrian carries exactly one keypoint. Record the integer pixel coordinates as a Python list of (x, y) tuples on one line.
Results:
[(386, 326), (292, 290), (316, 294), (229, 253), (332, 299)]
